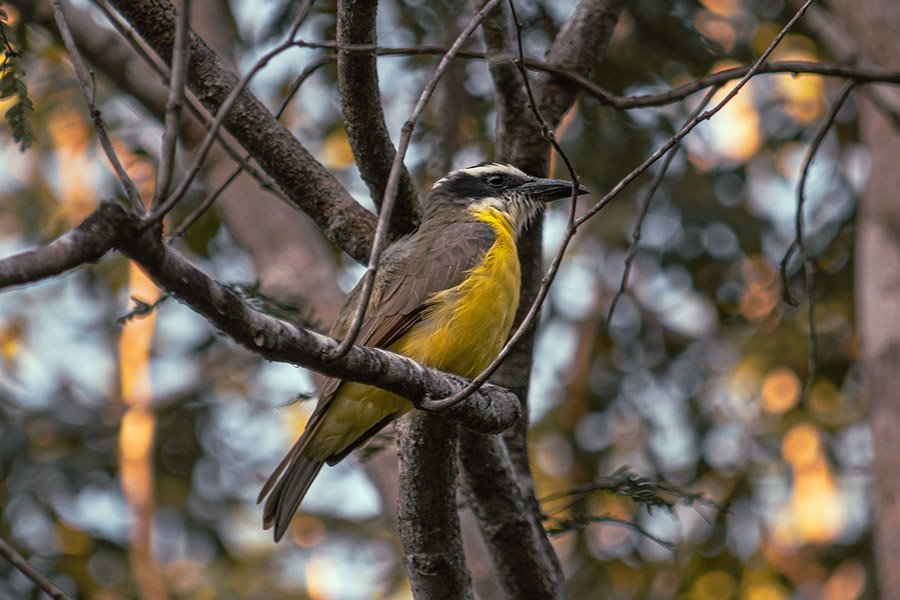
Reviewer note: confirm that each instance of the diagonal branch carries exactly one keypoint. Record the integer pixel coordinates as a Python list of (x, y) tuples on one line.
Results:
[(222, 112), (111, 226), (361, 107), (87, 90), (607, 98), (308, 185), (173, 106), (87, 243), (24, 567)]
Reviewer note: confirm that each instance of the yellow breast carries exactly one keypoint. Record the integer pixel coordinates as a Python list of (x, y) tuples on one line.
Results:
[(461, 333), (469, 323)]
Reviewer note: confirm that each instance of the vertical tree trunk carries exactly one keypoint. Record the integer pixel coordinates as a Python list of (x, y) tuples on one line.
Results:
[(427, 515), (878, 318), (874, 25)]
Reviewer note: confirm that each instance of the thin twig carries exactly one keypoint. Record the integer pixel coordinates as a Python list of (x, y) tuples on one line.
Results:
[(582, 521), (180, 55), (19, 562), (607, 98), (211, 198), (574, 224), (799, 243), (222, 113), (130, 189), (690, 125), (196, 110), (393, 182), (645, 206)]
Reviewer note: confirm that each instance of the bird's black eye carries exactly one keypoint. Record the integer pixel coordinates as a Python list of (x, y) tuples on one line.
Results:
[(495, 180)]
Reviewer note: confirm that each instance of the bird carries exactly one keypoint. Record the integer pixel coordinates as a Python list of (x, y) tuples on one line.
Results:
[(444, 295)]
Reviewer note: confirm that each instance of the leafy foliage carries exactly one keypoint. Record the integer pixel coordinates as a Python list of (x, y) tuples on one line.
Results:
[(12, 85)]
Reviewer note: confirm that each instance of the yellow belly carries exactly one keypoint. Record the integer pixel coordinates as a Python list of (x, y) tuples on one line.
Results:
[(462, 332)]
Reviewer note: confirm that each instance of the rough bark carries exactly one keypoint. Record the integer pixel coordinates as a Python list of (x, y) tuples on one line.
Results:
[(363, 114), (429, 523), (874, 25)]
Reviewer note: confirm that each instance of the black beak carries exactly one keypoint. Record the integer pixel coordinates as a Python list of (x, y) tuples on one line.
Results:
[(547, 190)]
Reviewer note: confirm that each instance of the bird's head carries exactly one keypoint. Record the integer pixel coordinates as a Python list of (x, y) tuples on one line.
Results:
[(519, 197)]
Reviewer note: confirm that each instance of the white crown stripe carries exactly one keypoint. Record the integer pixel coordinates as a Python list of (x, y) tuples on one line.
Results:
[(479, 170)]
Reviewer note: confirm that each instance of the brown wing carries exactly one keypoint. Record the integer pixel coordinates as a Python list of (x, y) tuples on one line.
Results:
[(428, 262)]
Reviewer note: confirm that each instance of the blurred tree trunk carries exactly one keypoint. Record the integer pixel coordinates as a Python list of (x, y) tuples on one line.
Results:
[(874, 25)]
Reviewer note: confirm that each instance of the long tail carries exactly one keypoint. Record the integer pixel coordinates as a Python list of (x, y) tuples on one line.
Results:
[(288, 484)]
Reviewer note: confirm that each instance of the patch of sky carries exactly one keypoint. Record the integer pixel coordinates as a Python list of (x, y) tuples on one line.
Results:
[(574, 291), (553, 351), (100, 511), (744, 528), (726, 447), (174, 542), (178, 330), (61, 342), (344, 491), (857, 491), (277, 383), (660, 227)]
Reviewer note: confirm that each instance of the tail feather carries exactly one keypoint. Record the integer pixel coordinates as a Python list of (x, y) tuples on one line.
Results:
[(288, 493), (288, 483)]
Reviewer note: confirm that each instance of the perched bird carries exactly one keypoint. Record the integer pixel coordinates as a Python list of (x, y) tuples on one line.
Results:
[(445, 296)]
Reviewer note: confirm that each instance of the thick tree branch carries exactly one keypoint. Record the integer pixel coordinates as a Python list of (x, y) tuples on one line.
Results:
[(87, 243), (510, 101), (491, 411), (308, 185), (363, 114), (577, 48), (492, 491), (427, 512)]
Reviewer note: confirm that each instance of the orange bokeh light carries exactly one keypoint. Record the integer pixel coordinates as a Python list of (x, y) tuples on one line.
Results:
[(780, 390)]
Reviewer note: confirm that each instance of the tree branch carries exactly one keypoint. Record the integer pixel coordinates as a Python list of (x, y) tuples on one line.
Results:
[(87, 243), (427, 512), (491, 411), (513, 116), (670, 96), (173, 106), (308, 185), (86, 89), (357, 76), (16, 560), (526, 571)]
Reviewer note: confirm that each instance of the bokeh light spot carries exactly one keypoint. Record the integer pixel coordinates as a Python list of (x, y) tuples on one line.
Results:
[(780, 390)]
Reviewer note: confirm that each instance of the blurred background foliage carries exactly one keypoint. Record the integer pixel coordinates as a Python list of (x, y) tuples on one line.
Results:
[(695, 380)]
